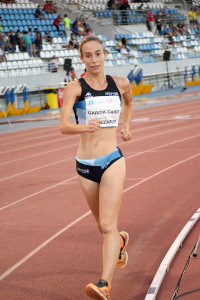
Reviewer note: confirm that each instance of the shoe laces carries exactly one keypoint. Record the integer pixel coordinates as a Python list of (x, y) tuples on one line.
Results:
[(102, 283)]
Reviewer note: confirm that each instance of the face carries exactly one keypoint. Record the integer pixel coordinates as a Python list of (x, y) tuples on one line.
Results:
[(93, 56)]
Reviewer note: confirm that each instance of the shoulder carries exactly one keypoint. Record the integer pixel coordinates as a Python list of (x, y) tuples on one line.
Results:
[(72, 90), (122, 83)]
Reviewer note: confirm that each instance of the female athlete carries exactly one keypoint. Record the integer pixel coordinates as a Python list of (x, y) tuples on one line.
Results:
[(100, 165)]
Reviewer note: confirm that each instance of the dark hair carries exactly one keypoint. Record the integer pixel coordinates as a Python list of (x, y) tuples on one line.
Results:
[(90, 38)]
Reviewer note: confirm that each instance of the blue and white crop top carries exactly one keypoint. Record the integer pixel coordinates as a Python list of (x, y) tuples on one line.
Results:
[(104, 105)]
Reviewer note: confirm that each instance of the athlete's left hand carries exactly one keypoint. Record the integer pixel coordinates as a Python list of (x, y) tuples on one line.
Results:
[(126, 135)]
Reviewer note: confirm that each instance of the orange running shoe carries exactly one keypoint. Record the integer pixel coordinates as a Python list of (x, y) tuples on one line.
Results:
[(123, 256), (100, 291)]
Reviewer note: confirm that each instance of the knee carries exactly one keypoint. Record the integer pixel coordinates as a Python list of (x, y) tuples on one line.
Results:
[(107, 227)]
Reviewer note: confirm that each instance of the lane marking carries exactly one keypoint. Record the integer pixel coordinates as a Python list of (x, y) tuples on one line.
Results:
[(55, 149), (134, 155), (39, 192), (61, 139), (23, 260)]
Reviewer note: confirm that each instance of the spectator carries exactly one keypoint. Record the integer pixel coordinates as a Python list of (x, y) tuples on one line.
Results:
[(124, 42), (6, 42), (2, 53), (73, 44), (39, 14), (1, 25), (88, 31), (38, 41), (112, 4), (27, 42), (66, 21), (19, 40), (83, 74), (119, 45), (75, 28), (12, 41), (190, 16), (53, 64), (48, 38), (151, 20), (70, 75), (56, 22), (53, 7), (159, 28), (47, 8), (32, 37), (123, 50)]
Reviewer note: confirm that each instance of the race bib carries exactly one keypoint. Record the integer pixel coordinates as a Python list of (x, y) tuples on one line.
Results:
[(105, 108)]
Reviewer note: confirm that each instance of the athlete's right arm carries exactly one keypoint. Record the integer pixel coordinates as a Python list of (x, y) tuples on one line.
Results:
[(71, 94)]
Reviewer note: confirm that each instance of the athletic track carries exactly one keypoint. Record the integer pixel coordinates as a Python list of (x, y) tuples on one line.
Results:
[(50, 246)]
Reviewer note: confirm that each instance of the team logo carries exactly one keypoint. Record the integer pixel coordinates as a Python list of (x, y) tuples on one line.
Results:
[(88, 95)]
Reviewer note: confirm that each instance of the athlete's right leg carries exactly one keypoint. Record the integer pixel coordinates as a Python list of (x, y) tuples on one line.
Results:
[(91, 192)]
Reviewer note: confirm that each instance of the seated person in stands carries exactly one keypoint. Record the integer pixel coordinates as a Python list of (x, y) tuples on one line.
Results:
[(12, 41), (6, 42), (70, 45), (8, 1), (53, 64), (1, 25), (48, 38), (2, 53), (112, 4), (70, 75), (123, 50), (118, 45), (73, 44), (47, 8), (38, 41), (88, 31), (19, 40), (75, 28), (39, 14), (53, 7)]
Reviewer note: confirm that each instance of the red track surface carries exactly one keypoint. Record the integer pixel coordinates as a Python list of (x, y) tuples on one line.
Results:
[(47, 252)]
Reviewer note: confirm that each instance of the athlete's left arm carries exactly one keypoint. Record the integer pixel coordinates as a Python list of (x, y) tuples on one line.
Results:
[(125, 89)]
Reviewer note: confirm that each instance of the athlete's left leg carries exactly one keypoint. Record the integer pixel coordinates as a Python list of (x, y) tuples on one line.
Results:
[(110, 196)]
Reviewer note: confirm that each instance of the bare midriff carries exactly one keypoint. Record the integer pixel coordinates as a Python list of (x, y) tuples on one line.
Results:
[(99, 143)]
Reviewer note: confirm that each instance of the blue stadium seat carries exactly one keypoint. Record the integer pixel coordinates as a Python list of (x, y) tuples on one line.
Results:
[(17, 17), (14, 23)]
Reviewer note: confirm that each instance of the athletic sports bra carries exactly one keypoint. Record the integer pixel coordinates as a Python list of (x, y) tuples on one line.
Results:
[(104, 105)]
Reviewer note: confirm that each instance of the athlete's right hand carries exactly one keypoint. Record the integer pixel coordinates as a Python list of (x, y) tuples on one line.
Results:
[(93, 125)]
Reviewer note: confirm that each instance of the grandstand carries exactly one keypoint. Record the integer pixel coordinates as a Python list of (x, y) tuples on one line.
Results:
[(145, 48)]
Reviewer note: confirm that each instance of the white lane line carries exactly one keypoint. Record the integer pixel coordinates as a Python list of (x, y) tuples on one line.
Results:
[(55, 149), (19, 263), (19, 134), (60, 161), (39, 192), (162, 171), (34, 145), (35, 169), (24, 259), (33, 155), (164, 266), (137, 154), (131, 141)]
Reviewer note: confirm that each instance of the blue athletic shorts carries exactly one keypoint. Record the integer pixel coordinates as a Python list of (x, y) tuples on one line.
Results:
[(93, 169)]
